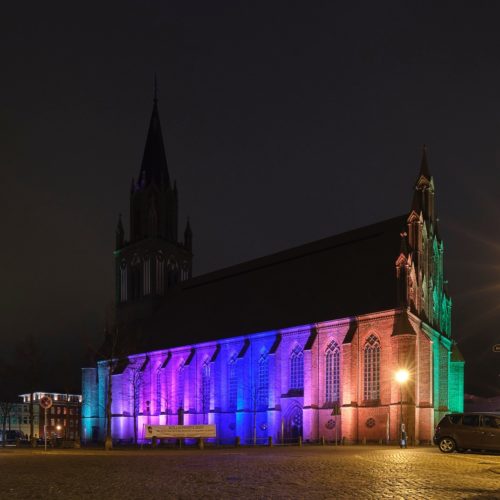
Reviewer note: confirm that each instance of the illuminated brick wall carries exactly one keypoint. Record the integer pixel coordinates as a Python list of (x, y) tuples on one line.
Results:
[(191, 385)]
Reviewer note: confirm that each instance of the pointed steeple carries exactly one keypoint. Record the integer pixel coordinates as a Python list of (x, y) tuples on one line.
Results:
[(424, 165), (120, 233), (188, 237), (154, 162)]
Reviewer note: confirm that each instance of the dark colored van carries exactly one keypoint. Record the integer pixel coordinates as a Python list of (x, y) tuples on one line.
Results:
[(468, 431)]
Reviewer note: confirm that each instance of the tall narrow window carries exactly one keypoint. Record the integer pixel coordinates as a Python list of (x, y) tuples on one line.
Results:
[(135, 277), (263, 382), (123, 281), (160, 274), (180, 385), (158, 391), (205, 387), (371, 375), (232, 383), (332, 372), (172, 272), (146, 274), (297, 368)]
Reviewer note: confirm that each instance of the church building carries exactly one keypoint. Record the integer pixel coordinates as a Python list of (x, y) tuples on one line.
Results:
[(304, 343)]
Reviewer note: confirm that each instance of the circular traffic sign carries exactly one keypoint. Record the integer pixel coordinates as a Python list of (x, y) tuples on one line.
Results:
[(46, 402)]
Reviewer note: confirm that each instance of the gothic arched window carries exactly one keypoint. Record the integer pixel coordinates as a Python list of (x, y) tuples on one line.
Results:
[(180, 385), (146, 275), (263, 381), (172, 271), (297, 368), (135, 275), (123, 281), (158, 391), (332, 372), (160, 274), (371, 376), (232, 377), (205, 386)]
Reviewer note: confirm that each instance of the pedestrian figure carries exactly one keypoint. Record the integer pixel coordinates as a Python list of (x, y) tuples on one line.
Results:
[(403, 436)]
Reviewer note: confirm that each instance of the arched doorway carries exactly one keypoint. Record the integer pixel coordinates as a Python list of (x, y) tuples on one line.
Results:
[(293, 427)]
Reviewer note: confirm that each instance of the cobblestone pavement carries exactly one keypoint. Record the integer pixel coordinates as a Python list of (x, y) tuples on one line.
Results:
[(373, 472)]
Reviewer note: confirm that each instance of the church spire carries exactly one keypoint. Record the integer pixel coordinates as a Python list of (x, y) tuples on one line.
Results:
[(120, 233), (188, 236), (154, 162), (424, 165)]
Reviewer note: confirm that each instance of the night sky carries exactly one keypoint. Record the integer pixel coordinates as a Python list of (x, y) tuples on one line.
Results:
[(284, 122)]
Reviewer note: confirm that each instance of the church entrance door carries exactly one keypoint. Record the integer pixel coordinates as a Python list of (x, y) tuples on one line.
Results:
[(294, 425)]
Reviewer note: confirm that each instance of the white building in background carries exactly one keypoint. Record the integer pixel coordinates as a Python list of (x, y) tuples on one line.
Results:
[(63, 418), (19, 419)]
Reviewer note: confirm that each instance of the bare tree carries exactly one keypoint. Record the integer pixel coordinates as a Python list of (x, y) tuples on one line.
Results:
[(111, 364), (136, 382), (6, 408), (28, 352), (8, 375)]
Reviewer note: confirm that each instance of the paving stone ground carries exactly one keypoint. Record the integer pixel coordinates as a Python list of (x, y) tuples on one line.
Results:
[(372, 472)]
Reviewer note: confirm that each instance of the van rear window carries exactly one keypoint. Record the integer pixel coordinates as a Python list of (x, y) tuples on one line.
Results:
[(472, 420), (455, 419)]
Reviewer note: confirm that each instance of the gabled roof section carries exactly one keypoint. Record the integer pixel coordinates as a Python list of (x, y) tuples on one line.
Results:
[(190, 357), (167, 360), (276, 344), (456, 355), (121, 366), (311, 339), (144, 364), (342, 276), (403, 325), (244, 349), (154, 161), (215, 354)]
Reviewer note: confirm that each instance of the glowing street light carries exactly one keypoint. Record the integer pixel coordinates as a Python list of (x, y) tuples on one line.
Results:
[(402, 377)]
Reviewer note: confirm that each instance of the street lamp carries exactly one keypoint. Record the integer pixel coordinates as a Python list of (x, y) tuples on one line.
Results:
[(402, 377)]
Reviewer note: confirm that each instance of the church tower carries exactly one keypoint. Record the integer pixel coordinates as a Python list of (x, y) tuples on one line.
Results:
[(152, 261), (420, 265)]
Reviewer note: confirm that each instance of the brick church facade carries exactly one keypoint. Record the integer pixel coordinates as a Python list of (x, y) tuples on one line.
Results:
[(303, 343)]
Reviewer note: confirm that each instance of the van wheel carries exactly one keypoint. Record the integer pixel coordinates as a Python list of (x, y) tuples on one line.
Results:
[(447, 445)]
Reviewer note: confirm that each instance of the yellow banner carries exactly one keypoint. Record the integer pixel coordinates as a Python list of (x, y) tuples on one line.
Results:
[(179, 431)]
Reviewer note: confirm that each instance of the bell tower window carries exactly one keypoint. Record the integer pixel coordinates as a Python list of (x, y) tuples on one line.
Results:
[(123, 281)]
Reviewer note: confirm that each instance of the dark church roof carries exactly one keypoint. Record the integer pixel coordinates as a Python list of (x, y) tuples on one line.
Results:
[(349, 274)]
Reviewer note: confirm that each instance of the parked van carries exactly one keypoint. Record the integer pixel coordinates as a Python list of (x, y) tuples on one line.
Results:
[(468, 431)]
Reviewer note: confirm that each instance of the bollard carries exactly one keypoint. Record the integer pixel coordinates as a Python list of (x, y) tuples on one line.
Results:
[(363, 441), (270, 441), (154, 442), (237, 441), (300, 440), (322, 440), (201, 444)]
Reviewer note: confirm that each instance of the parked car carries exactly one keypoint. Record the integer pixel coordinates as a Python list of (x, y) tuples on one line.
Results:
[(468, 431), (11, 437)]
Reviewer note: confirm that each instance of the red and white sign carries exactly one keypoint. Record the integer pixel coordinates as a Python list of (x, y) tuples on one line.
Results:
[(45, 402)]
